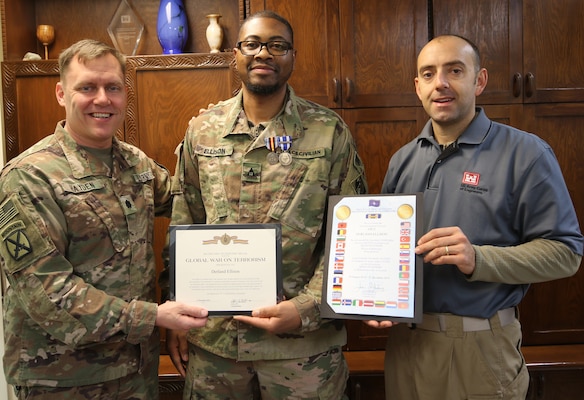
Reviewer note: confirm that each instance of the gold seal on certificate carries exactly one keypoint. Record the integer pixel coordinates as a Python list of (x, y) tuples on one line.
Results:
[(343, 212), (371, 269), (405, 211)]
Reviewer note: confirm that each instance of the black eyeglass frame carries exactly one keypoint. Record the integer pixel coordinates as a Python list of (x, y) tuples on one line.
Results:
[(266, 45)]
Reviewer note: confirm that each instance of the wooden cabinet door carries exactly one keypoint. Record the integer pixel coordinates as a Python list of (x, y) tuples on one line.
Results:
[(354, 54), (379, 44), (495, 27), (31, 111), (317, 72), (532, 49), (380, 132), (553, 50)]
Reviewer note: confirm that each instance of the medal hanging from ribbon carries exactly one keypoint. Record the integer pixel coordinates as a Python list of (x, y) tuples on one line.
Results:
[(285, 142), (272, 145)]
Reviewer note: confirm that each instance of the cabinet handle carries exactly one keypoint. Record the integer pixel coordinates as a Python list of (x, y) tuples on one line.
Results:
[(337, 90), (529, 79), (517, 78), (349, 89)]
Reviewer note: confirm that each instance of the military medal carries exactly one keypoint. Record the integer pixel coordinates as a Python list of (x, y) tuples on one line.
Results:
[(272, 145), (285, 142)]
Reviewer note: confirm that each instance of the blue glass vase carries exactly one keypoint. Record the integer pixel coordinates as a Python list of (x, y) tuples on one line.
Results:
[(172, 27)]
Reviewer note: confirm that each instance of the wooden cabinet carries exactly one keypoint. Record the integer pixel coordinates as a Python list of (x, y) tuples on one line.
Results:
[(347, 53), (533, 49)]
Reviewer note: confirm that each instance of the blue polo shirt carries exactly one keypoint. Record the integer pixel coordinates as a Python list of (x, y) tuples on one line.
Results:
[(502, 187)]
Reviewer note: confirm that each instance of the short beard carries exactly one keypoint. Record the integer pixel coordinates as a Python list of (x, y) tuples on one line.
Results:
[(262, 89)]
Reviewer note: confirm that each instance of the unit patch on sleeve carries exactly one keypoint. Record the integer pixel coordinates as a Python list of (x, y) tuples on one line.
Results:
[(15, 240), (23, 238)]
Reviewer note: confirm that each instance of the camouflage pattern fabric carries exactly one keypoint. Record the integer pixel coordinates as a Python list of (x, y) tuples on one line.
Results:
[(321, 376), (136, 386), (223, 177), (77, 254)]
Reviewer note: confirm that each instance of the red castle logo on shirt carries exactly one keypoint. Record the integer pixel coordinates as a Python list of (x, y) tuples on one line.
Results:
[(471, 178)]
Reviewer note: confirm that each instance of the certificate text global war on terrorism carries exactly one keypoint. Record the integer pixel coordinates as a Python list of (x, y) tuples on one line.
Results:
[(227, 269)]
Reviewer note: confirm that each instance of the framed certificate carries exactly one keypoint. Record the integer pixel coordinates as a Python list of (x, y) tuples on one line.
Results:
[(227, 269), (371, 271)]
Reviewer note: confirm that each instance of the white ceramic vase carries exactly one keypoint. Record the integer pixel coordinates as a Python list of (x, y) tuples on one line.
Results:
[(214, 33)]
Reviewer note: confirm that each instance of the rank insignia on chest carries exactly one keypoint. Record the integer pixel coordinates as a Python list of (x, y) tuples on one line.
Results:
[(128, 205), (252, 172)]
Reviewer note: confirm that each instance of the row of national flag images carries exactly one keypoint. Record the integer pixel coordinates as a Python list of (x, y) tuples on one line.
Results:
[(404, 273)]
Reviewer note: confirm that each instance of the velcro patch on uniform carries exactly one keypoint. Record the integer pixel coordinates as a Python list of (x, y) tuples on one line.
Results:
[(144, 176), (252, 172), (24, 239), (128, 205), (315, 153), (213, 151), (82, 187), (7, 212), (16, 240)]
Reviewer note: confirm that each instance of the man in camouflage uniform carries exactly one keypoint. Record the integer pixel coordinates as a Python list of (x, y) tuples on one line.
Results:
[(228, 173), (76, 221)]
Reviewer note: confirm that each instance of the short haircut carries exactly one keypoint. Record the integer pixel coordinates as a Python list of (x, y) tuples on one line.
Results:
[(87, 50), (272, 15)]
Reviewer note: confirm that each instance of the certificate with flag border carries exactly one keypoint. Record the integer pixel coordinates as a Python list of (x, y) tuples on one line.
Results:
[(228, 269), (371, 271)]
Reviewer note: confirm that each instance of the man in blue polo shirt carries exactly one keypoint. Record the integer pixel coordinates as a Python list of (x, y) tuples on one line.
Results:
[(498, 216)]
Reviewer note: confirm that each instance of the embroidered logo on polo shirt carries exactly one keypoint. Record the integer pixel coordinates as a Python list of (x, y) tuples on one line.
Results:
[(470, 183), (471, 178)]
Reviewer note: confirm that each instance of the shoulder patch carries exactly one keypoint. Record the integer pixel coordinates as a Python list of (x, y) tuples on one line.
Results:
[(7, 212), (16, 241), (24, 239)]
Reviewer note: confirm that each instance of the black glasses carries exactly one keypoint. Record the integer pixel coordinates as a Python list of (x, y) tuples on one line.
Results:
[(274, 47)]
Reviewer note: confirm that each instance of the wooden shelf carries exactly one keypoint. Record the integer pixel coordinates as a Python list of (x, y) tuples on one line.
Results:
[(87, 20)]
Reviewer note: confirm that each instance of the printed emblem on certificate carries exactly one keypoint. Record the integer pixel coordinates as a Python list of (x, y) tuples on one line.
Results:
[(227, 269), (371, 270)]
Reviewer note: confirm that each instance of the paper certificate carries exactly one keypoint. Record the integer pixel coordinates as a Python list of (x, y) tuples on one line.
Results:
[(227, 269), (371, 270)]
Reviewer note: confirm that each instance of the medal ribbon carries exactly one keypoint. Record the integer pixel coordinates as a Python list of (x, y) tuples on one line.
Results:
[(285, 142), (272, 143)]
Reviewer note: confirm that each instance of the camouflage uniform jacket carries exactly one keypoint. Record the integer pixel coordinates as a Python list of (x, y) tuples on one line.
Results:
[(77, 254), (224, 178)]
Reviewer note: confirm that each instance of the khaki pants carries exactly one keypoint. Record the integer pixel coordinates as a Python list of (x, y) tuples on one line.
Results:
[(454, 364)]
